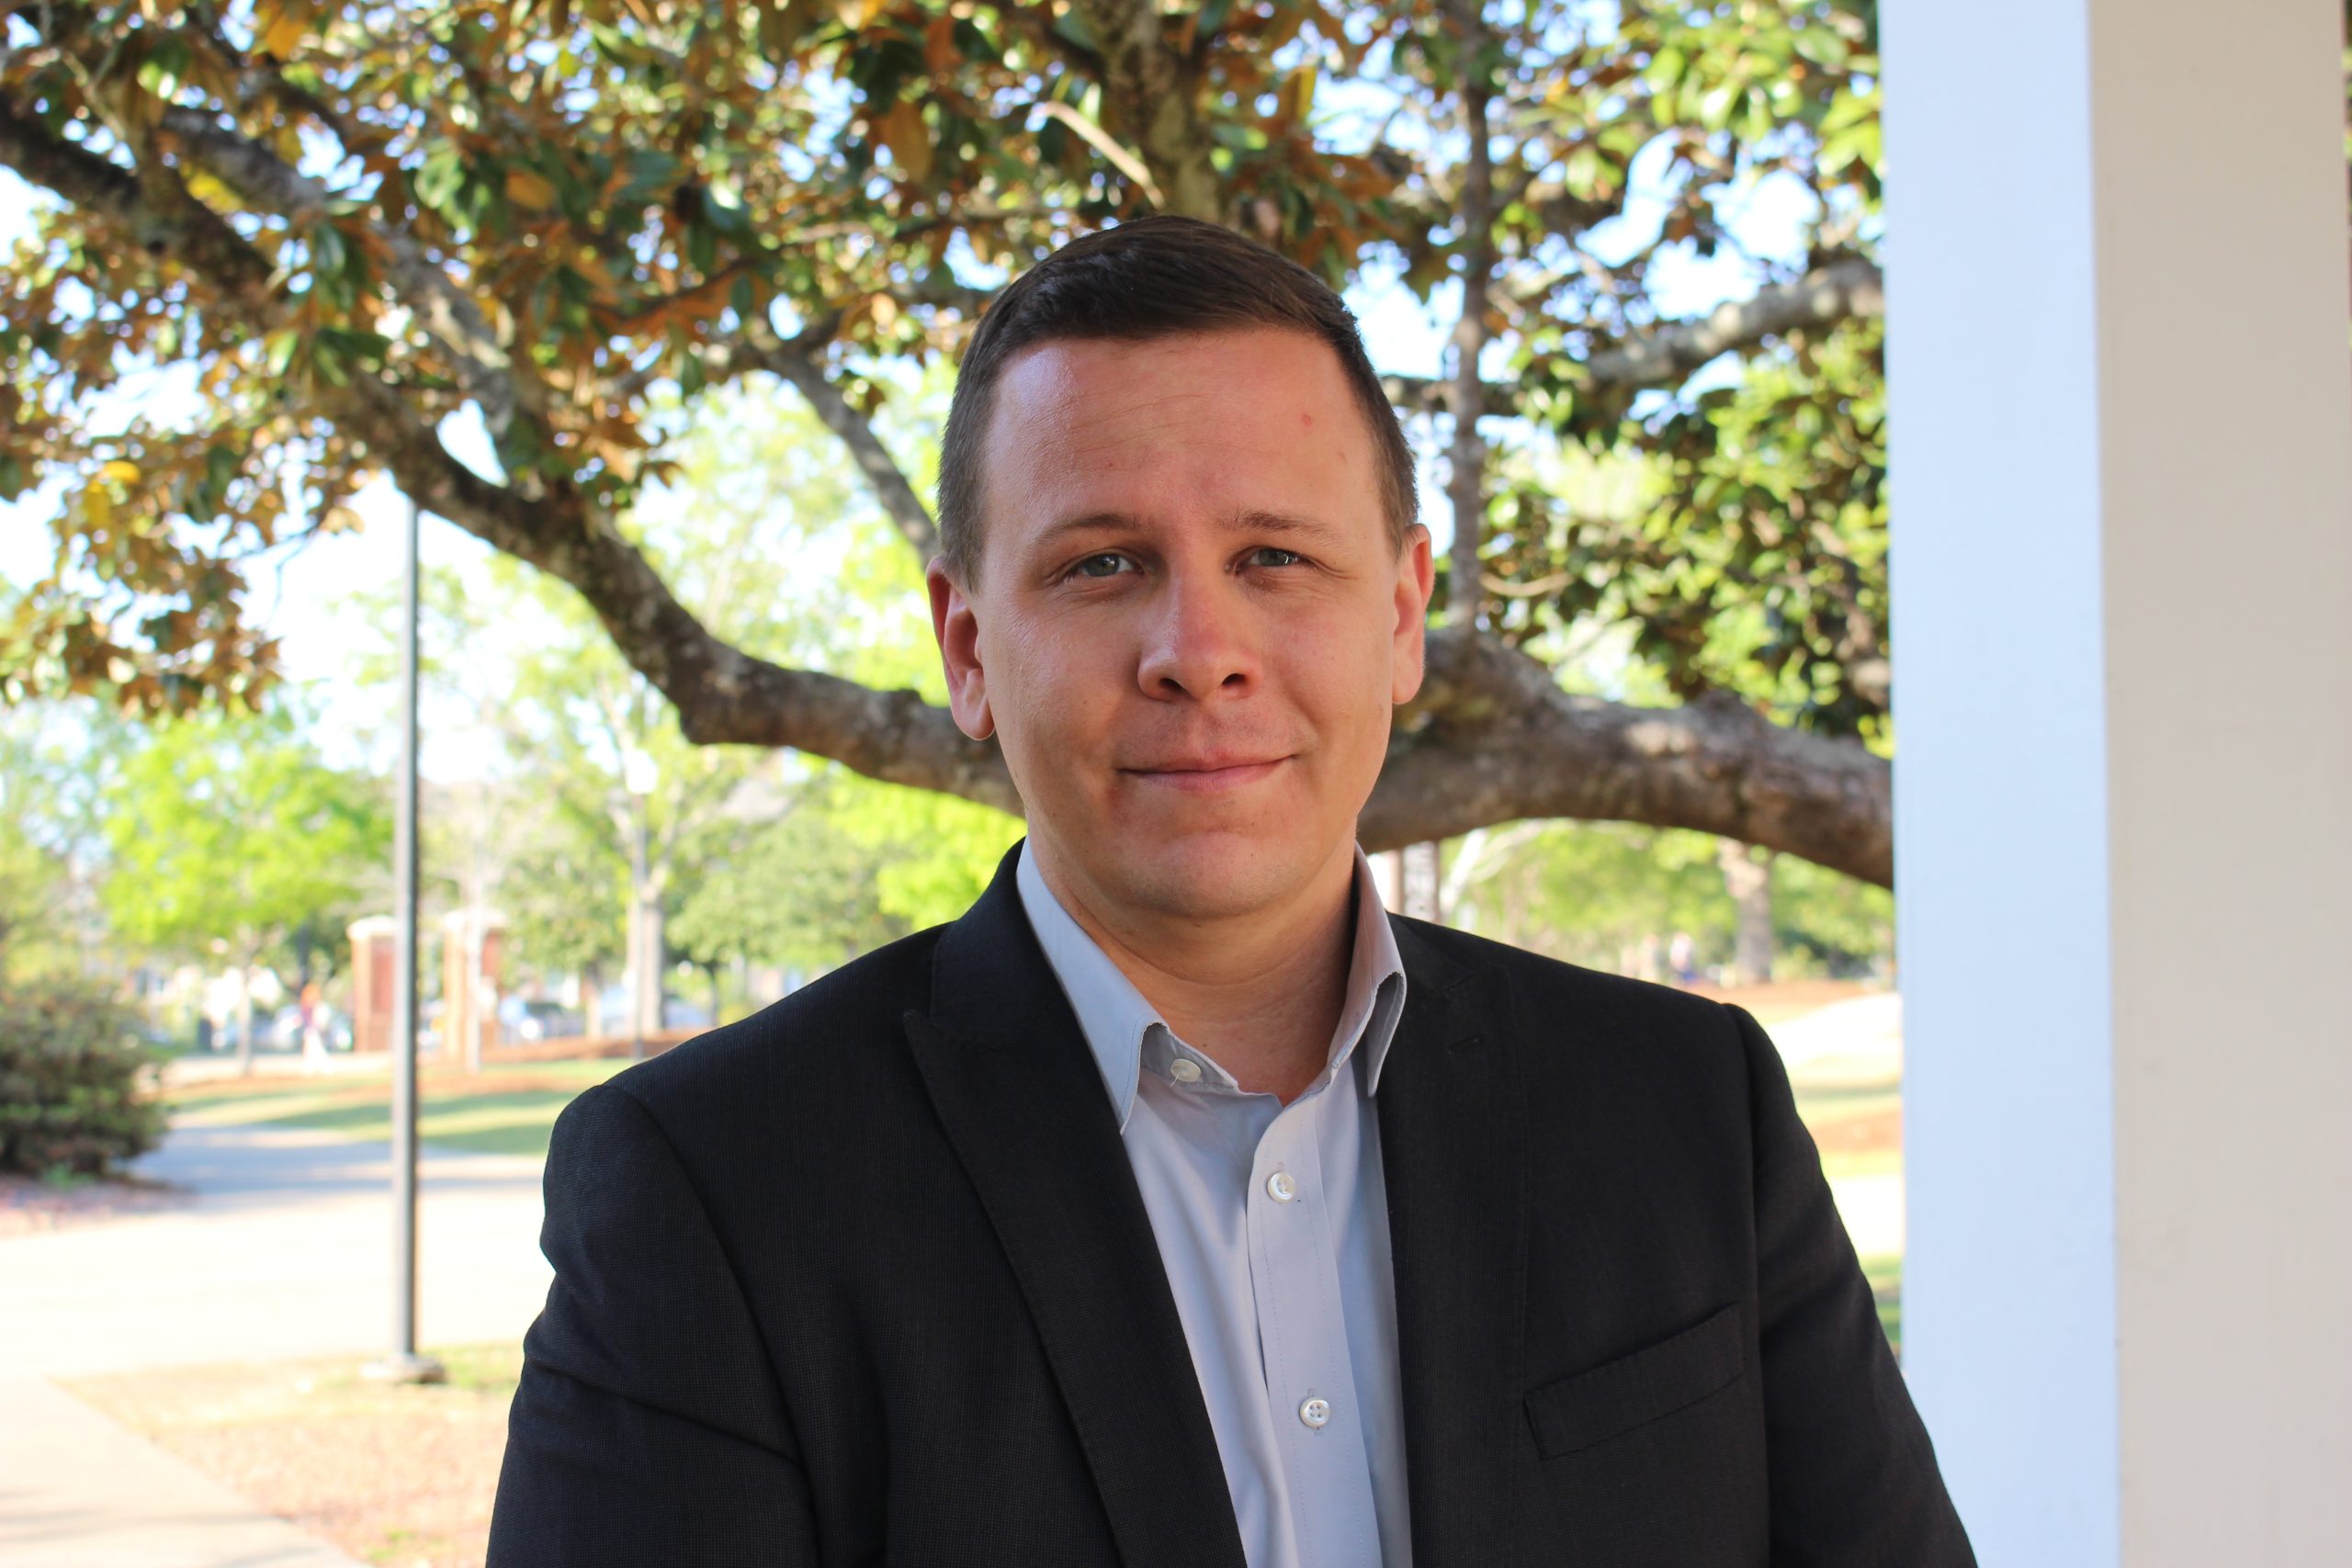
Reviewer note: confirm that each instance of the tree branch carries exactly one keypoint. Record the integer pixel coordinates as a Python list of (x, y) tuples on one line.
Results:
[(1102, 142), (1844, 289), (891, 488), (1493, 739), (797, 359), (157, 213), (1465, 485), (1664, 355), (449, 315), (1149, 101)]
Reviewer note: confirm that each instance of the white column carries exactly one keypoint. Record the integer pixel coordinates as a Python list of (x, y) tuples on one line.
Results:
[(2122, 459)]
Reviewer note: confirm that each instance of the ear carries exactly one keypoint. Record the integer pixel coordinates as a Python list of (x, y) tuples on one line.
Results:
[(1416, 578), (955, 622)]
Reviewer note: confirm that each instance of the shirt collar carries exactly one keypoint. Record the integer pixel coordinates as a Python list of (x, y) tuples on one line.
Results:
[(1129, 1036)]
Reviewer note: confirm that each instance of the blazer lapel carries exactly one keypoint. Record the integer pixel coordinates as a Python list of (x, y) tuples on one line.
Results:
[(1452, 1147), (1024, 1105)]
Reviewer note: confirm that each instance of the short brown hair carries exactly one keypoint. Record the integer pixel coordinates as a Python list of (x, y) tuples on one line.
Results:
[(1150, 278)]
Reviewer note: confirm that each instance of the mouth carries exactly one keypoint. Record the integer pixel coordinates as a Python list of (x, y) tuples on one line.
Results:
[(1207, 776)]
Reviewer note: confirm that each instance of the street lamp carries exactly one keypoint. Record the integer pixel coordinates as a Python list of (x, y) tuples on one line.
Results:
[(404, 1364)]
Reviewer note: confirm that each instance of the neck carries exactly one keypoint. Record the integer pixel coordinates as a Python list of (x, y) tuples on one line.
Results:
[(1259, 992)]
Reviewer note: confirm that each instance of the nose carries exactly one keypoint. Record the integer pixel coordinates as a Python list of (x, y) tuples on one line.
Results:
[(1201, 641)]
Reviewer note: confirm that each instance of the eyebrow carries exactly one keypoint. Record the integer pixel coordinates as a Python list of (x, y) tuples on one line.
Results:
[(1250, 520)]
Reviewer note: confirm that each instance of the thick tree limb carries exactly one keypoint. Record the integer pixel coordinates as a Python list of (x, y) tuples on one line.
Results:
[(1663, 356), (1492, 738)]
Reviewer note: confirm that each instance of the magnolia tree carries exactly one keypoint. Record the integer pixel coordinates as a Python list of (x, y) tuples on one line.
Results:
[(336, 226)]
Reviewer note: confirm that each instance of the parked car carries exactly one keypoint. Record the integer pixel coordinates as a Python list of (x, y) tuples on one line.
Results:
[(521, 1019), (676, 1011), (283, 1030)]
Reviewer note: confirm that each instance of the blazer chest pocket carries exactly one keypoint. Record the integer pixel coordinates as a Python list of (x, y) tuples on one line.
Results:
[(1576, 1412)]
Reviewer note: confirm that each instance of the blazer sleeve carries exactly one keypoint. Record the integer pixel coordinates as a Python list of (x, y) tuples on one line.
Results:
[(1853, 1478), (648, 1427)]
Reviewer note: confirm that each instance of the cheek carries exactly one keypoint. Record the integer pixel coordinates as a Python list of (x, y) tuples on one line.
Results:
[(1339, 672), (1047, 682)]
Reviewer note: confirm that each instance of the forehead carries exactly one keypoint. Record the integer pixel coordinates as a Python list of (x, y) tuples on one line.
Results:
[(1209, 423)]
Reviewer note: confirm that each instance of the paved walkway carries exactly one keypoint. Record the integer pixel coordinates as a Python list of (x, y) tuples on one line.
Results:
[(77, 1491), (286, 1252)]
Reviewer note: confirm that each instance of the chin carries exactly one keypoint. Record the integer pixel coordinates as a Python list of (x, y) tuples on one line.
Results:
[(1209, 876)]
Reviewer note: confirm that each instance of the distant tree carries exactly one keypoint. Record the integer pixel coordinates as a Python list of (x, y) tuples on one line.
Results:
[(1601, 894), (564, 891), (35, 883), (789, 889), (232, 831), (58, 769), (587, 868)]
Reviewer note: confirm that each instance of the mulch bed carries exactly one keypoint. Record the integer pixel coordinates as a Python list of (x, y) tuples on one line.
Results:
[(400, 1476)]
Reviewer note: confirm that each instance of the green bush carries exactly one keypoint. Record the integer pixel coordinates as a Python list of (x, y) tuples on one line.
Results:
[(69, 1080)]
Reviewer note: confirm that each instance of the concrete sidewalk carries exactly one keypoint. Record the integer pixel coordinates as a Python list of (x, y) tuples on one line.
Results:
[(286, 1252), (78, 1491)]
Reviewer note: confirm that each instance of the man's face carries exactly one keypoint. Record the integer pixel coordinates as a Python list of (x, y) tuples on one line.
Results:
[(1189, 625)]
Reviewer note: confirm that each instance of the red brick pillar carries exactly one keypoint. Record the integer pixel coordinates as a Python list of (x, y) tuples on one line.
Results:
[(372, 982)]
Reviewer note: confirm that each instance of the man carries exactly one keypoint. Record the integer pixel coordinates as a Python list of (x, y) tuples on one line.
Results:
[(1177, 1207)]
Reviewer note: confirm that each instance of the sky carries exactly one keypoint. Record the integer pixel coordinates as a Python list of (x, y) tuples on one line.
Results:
[(299, 597)]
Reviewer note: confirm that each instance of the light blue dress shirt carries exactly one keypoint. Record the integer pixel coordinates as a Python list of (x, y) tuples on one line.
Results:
[(1272, 1226)]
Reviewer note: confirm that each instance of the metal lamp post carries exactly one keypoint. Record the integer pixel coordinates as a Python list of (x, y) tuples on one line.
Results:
[(403, 1364)]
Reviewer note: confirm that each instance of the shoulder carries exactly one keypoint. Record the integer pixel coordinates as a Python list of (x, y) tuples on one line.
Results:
[(1586, 1019), (838, 1041), (1592, 995)]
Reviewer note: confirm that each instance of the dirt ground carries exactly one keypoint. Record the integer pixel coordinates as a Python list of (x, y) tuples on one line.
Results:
[(400, 1476)]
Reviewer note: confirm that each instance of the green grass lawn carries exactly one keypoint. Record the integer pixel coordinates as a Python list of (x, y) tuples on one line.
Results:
[(503, 1111)]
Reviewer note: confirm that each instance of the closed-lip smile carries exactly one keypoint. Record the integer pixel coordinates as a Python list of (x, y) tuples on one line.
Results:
[(1206, 774)]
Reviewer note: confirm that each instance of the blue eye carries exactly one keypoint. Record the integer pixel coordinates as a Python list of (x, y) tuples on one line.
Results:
[(1107, 564), (1287, 557)]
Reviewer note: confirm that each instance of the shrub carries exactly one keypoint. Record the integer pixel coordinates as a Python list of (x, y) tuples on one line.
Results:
[(69, 1080)]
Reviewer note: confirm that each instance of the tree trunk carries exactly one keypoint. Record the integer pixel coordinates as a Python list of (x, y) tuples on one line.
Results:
[(1747, 877), (1466, 480), (1421, 882), (244, 1017), (651, 944)]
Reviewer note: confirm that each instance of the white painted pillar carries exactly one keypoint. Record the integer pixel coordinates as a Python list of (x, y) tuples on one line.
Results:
[(2122, 427)]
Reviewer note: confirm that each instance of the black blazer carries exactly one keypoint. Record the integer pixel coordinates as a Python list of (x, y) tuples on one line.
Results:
[(866, 1280)]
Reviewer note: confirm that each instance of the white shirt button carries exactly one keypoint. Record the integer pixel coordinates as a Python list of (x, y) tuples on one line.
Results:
[(1315, 1410), (1280, 1188), (1183, 1069)]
